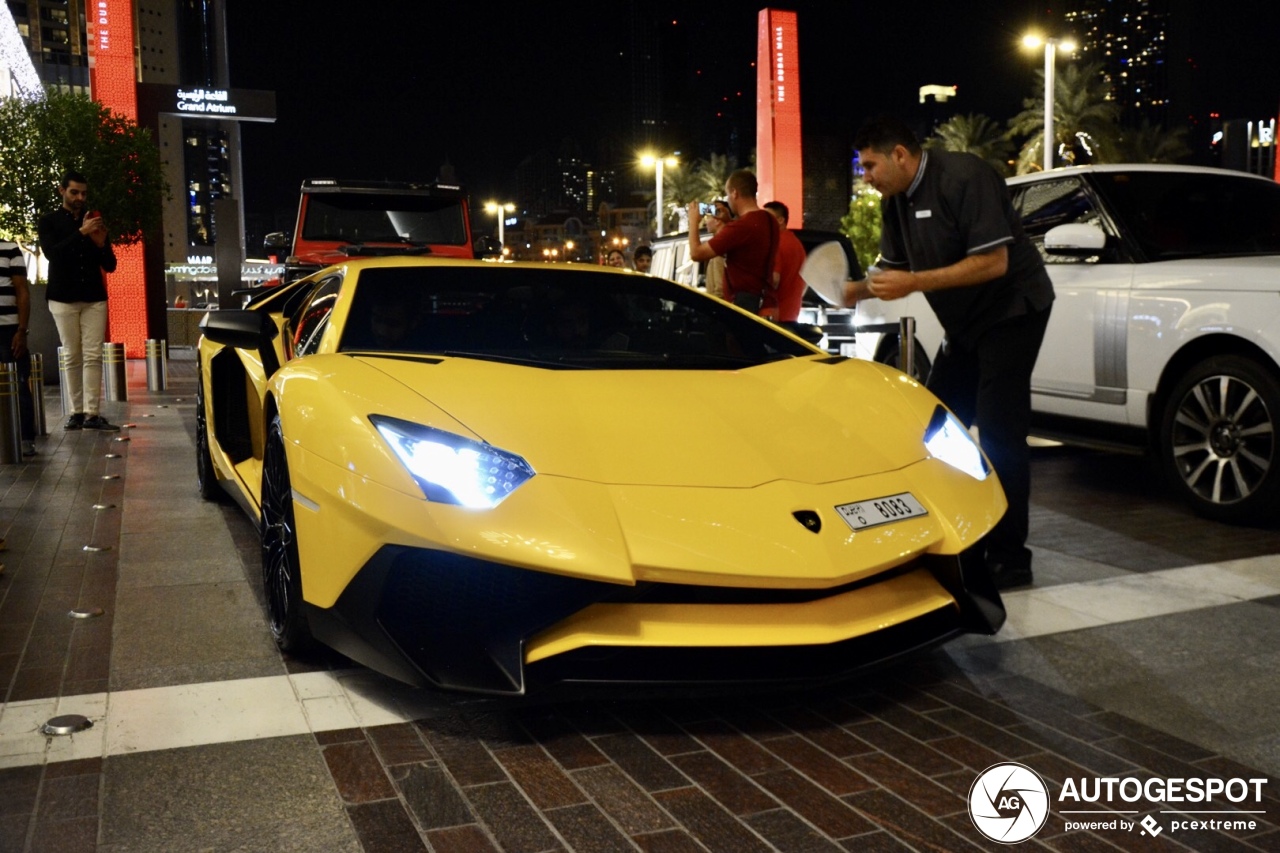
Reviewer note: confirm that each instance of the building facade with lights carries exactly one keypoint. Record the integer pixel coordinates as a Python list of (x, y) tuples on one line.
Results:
[(162, 63), (1132, 41), (1145, 49)]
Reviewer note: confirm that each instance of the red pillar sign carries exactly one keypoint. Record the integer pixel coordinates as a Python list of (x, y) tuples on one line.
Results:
[(778, 149), (114, 85)]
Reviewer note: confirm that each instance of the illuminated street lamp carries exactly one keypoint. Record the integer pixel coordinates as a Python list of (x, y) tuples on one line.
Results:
[(500, 210), (568, 249), (651, 160), (1051, 48)]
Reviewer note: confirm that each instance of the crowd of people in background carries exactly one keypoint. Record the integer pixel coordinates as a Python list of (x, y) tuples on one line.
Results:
[(751, 257)]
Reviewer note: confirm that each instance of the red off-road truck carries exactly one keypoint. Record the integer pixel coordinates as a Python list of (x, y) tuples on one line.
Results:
[(339, 220)]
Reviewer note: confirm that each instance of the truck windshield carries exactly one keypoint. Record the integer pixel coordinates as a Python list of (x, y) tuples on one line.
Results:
[(419, 220)]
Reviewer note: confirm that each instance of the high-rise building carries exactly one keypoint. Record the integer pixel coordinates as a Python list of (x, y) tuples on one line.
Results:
[(1146, 51), (179, 42), (1131, 39), (54, 34)]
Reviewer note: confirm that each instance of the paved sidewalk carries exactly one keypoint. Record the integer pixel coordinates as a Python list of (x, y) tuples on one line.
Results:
[(1147, 649)]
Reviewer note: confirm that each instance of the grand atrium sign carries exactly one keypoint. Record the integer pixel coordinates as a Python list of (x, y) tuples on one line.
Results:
[(196, 102)]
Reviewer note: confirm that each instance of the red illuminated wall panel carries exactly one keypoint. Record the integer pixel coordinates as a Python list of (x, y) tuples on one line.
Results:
[(778, 147), (114, 85)]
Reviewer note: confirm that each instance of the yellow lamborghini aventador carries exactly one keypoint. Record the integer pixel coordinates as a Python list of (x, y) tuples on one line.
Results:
[(494, 477)]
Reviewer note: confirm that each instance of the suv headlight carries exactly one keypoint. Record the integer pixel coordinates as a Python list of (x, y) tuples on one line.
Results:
[(452, 469), (947, 440)]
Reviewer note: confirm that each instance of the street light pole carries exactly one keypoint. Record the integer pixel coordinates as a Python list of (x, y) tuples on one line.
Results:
[(657, 170), (500, 210), (1050, 69), (657, 163), (1051, 48)]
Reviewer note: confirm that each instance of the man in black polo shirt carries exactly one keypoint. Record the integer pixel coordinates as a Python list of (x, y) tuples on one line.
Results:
[(950, 232)]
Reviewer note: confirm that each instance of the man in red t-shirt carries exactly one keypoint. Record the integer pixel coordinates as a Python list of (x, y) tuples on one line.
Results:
[(790, 259), (748, 244)]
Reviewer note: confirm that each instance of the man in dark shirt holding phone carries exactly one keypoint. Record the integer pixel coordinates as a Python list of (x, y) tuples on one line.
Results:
[(75, 242)]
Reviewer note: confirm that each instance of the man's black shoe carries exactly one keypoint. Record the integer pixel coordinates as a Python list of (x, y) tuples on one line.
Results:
[(76, 421), (1009, 577), (98, 422)]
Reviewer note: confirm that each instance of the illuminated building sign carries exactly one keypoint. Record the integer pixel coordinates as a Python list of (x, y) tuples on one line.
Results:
[(111, 80), (205, 101), (778, 146), (195, 102)]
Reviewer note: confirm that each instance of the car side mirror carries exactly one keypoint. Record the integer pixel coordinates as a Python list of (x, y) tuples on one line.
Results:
[(487, 247), (1077, 240), (239, 329), (276, 242)]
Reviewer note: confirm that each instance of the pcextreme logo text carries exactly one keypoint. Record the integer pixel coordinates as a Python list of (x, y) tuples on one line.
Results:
[(1010, 802)]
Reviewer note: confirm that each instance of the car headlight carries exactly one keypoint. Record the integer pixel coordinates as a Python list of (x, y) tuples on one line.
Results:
[(452, 469), (946, 439)]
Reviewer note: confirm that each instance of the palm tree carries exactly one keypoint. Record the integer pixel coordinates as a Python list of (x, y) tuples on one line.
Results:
[(713, 174), (680, 185), (1084, 117), (976, 134), (1148, 143)]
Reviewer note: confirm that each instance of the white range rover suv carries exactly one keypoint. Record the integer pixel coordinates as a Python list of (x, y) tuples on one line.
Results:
[(1165, 332)]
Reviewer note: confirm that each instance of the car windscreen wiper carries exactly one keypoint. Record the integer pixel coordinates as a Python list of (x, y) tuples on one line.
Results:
[(392, 247), (503, 358)]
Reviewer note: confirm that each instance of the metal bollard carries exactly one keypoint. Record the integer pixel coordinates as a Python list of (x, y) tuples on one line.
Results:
[(36, 381), (907, 345), (114, 378), (10, 426), (63, 361), (157, 365)]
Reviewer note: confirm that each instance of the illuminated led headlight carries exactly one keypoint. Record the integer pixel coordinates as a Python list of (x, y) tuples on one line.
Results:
[(452, 469), (947, 439)]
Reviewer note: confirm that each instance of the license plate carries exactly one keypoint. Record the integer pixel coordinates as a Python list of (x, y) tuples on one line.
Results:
[(876, 511)]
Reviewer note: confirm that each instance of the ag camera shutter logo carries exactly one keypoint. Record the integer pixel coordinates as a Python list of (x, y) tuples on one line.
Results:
[(1009, 802)]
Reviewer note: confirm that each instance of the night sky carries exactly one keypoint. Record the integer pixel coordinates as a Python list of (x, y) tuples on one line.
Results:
[(395, 91)]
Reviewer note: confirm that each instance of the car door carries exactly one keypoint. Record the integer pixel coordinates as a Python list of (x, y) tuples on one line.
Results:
[(1082, 368), (306, 313)]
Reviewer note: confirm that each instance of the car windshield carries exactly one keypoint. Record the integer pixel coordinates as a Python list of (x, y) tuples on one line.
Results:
[(557, 318), (1194, 215), (385, 218)]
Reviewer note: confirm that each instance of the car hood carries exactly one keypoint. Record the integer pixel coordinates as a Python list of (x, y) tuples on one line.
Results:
[(813, 420)]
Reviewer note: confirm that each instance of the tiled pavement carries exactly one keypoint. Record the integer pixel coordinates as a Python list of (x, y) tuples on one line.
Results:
[(882, 764)]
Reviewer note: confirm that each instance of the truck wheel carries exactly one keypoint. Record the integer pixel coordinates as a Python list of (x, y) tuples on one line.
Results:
[(1218, 439)]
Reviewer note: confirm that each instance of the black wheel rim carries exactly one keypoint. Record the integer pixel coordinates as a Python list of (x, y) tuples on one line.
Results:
[(279, 553), (1223, 439)]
